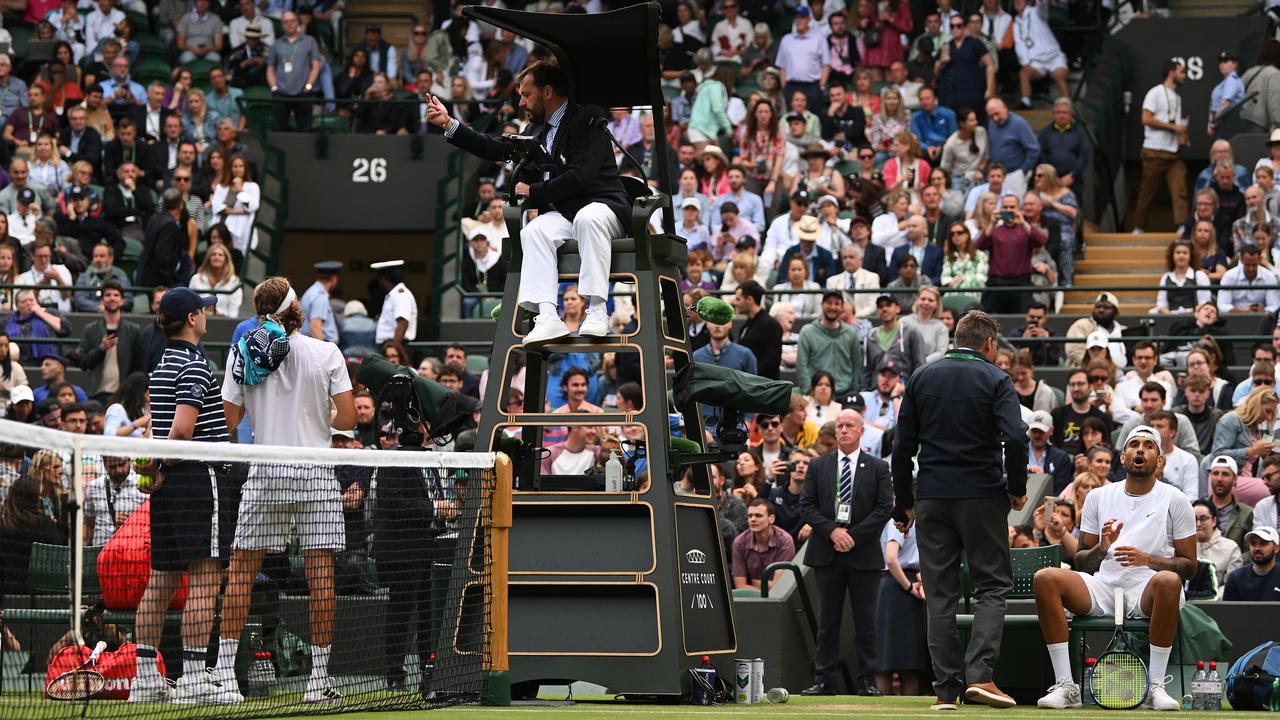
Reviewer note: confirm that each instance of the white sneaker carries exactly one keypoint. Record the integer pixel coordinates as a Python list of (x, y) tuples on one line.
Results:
[(1158, 699), (151, 689), (1064, 694), (545, 329), (595, 324), (1137, 231), (203, 689), (322, 692)]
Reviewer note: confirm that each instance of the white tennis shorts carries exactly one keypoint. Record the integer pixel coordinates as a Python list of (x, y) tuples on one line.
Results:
[(270, 526), (1047, 65), (1103, 595)]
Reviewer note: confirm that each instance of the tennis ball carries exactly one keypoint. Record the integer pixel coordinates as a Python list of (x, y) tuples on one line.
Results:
[(145, 484)]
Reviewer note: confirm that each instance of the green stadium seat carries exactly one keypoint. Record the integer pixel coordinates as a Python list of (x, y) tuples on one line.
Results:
[(200, 69), (21, 36), (141, 22), (132, 249), (147, 41), (331, 123)]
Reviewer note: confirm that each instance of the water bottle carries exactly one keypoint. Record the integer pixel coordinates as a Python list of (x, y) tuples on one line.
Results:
[(1086, 690), (262, 674), (1199, 689), (705, 686), (1213, 698), (613, 473)]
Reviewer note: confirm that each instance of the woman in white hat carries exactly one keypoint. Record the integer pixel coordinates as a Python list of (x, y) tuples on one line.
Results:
[(715, 182)]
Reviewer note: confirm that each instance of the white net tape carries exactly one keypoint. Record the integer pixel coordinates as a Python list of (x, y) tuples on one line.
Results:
[(33, 436)]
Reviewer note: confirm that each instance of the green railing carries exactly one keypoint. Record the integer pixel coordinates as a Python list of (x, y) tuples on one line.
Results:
[(273, 206)]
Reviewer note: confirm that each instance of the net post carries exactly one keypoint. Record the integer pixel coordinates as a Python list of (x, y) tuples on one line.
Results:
[(77, 540), (497, 690)]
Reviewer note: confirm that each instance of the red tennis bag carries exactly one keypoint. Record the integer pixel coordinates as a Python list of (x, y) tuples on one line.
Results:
[(124, 565), (118, 668)]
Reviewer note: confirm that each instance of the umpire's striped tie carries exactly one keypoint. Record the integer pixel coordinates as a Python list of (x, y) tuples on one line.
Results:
[(846, 482)]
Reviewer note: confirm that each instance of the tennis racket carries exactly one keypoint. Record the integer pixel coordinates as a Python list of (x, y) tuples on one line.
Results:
[(1119, 680), (80, 684)]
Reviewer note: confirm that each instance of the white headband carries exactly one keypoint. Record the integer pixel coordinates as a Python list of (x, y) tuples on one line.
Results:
[(289, 297)]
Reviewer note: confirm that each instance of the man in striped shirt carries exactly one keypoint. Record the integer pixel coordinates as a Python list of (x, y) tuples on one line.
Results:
[(193, 509)]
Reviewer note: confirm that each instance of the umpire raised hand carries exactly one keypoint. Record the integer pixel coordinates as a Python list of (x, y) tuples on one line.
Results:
[(961, 414)]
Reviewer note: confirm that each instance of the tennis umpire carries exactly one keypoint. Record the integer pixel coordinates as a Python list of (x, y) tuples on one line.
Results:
[(962, 414), (1146, 545)]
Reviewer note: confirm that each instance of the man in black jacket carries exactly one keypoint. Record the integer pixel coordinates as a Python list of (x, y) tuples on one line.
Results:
[(962, 414), (77, 141), (77, 222), (164, 243), (760, 334), (110, 347), (846, 501), (127, 147), (580, 198)]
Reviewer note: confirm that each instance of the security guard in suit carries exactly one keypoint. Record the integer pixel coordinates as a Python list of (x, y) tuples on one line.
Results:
[(847, 499)]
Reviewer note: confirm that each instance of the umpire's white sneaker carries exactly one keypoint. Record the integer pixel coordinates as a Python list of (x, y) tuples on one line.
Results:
[(1064, 694), (595, 324), (1158, 699), (203, 689), (545, 329)]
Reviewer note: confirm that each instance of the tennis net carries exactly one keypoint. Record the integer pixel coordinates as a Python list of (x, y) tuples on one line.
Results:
[(338, 579)]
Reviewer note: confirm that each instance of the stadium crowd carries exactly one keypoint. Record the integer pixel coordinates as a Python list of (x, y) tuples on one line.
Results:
[(817, 150)]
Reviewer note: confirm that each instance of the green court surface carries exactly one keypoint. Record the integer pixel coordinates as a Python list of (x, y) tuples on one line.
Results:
[(605, 709)]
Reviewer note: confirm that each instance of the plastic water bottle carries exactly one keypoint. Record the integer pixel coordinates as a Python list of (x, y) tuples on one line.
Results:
[(1199, 689), (1086, 691), (613, 473), (1213, 686), (262, 674)]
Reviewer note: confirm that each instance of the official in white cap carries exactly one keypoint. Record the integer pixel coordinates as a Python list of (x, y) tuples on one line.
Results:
[(399, 317), (1140, 536)]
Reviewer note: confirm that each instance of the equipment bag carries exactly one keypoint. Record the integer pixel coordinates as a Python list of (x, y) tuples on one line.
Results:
[(124, 565), (118, 668), (1253, 682)]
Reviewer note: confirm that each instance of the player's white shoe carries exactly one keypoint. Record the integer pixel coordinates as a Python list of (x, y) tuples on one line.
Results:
[(1158, 699), (150, 689), (1064, 694), (322, 691), (202, 688)]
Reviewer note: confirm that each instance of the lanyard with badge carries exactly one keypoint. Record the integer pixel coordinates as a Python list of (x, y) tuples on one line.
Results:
[(287, 68), (1026, 29), (844, 511)]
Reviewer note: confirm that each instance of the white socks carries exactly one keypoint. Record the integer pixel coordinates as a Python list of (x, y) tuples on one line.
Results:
[(1159, 663), (1060, 656), (147, 664), (227, 650), (548, 309), (597, 304), (320, 661), (193, 662)]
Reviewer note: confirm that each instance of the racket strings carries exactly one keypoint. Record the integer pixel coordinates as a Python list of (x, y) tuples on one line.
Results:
[(76, 685), (1119, 680)]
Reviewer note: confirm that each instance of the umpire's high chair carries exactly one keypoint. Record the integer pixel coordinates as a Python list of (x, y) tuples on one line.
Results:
[(625, 589)]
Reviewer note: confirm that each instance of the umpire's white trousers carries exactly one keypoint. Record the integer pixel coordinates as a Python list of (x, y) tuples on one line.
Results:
[(594, 227)]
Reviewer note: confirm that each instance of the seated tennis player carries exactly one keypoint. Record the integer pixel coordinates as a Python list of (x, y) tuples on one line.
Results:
[(1139, 535)]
